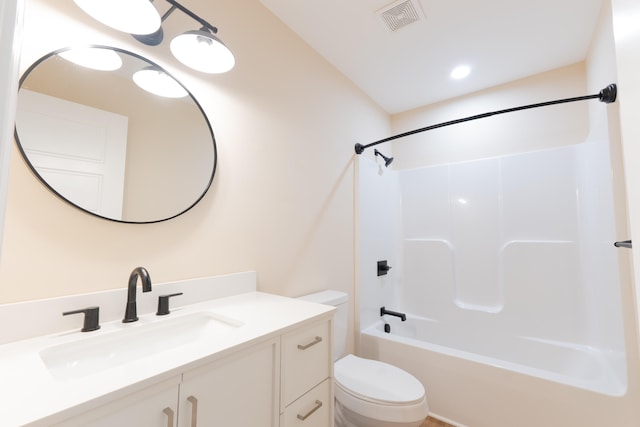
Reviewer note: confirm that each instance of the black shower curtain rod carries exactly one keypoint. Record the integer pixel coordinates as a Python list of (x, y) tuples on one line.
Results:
[(607, 95)]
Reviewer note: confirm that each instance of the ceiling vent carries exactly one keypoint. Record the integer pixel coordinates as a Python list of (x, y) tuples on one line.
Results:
[(400, 14)]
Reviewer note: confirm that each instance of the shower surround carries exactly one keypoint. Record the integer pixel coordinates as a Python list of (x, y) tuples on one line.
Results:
[(507, 271)]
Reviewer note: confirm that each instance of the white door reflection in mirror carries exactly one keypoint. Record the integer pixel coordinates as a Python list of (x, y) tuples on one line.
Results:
[(79, 150)]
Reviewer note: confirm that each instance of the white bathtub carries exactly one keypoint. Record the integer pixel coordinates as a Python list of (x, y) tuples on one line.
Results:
[(486, 380), (516, 290)]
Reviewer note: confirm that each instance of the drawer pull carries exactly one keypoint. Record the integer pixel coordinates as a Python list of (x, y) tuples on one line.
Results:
[(308, 414), (169, 413), (194, 410), (312, 343)]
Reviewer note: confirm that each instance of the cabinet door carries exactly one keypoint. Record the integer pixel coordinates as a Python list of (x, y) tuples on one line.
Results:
[(155, 406), (240, 390)]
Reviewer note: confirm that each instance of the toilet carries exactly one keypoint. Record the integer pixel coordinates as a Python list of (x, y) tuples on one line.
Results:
[(369, 393)]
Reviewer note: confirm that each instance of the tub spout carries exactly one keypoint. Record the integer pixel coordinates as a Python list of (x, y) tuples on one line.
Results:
[(384, 311)]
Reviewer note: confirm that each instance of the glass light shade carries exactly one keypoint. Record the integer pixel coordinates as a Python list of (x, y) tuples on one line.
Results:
[(158, 83), (94, 58), (202, 51), (130, 16)]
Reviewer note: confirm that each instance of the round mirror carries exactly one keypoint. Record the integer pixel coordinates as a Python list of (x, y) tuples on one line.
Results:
[(130, 151)]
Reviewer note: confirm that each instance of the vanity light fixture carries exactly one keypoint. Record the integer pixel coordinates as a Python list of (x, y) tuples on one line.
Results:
[(159, 83), (200, 49), (96, 59), (130, 16)]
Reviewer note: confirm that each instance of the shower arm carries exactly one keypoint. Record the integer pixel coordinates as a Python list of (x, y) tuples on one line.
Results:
[(606, 95)]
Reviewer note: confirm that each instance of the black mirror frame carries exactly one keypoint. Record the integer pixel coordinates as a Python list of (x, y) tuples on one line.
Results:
[(46, 184)]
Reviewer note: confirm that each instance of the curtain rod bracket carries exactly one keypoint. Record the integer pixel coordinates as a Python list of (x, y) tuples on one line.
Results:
[(606, 95)]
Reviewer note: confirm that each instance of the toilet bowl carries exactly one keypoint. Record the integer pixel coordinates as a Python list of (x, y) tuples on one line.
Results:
[(369, 393), (375, 394)]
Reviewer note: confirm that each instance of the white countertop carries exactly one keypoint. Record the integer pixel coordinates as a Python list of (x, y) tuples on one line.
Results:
[(29, 392)]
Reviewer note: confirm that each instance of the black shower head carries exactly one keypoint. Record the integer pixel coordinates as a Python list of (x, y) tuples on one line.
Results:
[(387, 160)]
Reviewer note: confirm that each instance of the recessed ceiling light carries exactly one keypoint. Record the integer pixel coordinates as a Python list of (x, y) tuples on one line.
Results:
[(460, 72)]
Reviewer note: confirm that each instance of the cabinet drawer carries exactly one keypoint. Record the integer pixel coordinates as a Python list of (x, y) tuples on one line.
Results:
[(306, 360), (311, 410)]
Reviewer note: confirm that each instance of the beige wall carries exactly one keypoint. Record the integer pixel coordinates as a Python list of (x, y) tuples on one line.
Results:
[(282, 200), (504, 134)]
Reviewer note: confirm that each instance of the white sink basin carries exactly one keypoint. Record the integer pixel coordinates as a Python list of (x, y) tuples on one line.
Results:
[(133, 341)]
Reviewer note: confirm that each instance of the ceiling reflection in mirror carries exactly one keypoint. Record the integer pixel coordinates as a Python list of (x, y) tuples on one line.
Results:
[(109, 147)]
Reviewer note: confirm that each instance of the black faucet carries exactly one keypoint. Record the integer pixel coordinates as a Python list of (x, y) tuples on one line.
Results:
[(384, 311), (130, 313)]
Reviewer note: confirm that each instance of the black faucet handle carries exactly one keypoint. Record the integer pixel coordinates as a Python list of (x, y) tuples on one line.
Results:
[(91, 318), (163, 304), (383, 268)]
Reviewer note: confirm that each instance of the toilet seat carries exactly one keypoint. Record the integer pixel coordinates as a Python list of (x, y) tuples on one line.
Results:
[(377, 382), (379, 390)]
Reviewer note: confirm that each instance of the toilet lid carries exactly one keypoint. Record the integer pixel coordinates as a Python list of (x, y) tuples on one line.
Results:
[(377, 381)]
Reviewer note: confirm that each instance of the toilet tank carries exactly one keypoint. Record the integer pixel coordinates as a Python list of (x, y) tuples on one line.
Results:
[(340, 320)]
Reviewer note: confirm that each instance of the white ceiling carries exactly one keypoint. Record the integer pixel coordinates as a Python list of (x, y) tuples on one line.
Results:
[(501, 40)]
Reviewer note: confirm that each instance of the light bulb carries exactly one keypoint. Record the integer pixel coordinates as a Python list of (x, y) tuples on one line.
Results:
[(159, 83), (129, 16), (94, 58), (202, 51)]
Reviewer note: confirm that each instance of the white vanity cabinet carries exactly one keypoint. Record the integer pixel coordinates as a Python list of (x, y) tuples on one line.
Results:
[(239, 390), (268, 364), (307, 369)]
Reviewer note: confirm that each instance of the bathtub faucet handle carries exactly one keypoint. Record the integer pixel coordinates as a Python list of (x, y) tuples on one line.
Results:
[(384, 311), (383, 268)]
